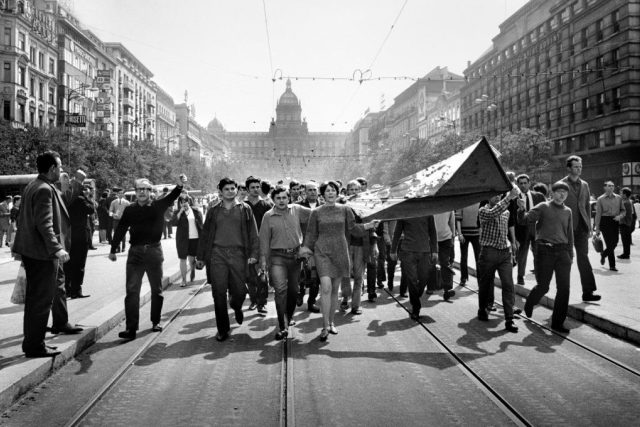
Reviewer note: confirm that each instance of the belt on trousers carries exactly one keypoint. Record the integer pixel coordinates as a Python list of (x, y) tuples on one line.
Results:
[(285, 251), (148, 245), (552, 245)]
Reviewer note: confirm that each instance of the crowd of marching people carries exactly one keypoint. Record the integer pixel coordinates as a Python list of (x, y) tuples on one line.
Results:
[(306, 240)]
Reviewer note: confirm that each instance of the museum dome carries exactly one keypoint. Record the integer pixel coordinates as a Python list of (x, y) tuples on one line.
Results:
[(288, 97)]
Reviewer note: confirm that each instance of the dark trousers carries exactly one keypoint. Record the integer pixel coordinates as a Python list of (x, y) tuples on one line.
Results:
[(109, 229), (167, 229), (581, 244), (285, 272), (143, 259), (372, 274), (549, 260), (444, 259), (228, 273), (124, 242), (44, 294), (464, 255), (490, 261), (415, 268), (625, 237), (313, 285), (609, 228), (523, 252), (258, 290), (380, 262), (390, 270), (74, 268)]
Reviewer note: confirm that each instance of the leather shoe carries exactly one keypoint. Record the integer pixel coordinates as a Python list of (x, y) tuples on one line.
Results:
[(66, 329), (448, 294), (313, 308), (591, 297), (491, 307), (253, 306), (510, 326), (221, 336), (528, 310), (623, 256), (299, 299), (373, 297), (93, 248), (560, 328), (262, 309), (156, 328), (415, 316), (239, 316), (602, 259), (356, 311), (127, 335), (280, 335), (517, 311), (463, 282), (483, 316), (292, 322), (45, 352), (80, 295), (613, 269)]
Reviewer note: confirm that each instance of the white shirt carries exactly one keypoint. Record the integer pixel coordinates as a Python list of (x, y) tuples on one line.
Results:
[(193, 230)]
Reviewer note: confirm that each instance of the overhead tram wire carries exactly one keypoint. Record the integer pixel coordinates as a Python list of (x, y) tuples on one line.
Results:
[(266, 26)]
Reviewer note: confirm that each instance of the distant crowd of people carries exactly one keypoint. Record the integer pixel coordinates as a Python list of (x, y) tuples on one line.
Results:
[(306, 237)]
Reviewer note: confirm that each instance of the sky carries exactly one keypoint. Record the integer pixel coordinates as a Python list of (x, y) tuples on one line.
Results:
[(227, 53)]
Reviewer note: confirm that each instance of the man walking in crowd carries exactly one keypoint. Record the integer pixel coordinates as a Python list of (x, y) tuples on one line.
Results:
[(468, 234), (144, 220), (258, 289), (5, 214), (525, 233), (310, 201), (418, 254), (578, 201), (167, 231), (554, 243), (294, 191), (496, 255), (445, 228), (80, 210), (115, 212), (609, 211), (229, 244), (280, 240), (40, 241), (627, 223)]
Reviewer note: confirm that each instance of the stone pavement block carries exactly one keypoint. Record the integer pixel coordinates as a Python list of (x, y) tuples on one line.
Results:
[(104, 281)]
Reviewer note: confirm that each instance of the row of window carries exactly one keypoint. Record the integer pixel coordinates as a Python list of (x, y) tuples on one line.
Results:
[(37, 120), (37, 89), (267, 144), (609, 23), (588, 141), (36, 56)]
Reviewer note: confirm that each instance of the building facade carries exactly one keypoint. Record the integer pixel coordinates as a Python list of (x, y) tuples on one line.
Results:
[(29, 58), (288, 150), (166, 129), (571, 69)]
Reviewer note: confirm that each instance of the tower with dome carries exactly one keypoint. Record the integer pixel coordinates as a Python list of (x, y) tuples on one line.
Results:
[(287, 150)]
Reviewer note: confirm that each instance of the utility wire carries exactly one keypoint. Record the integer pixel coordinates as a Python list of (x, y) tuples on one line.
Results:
[(266, 26)]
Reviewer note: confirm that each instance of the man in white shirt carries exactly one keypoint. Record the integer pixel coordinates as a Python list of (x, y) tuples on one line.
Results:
[(115, 212)]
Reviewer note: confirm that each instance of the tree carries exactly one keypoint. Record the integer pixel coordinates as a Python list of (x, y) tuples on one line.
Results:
[(528, 151)]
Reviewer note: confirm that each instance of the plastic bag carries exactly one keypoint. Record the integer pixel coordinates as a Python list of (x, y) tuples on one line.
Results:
[(597, 243), (20, 287)]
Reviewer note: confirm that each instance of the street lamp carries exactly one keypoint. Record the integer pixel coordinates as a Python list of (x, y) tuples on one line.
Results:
[(490, 106)]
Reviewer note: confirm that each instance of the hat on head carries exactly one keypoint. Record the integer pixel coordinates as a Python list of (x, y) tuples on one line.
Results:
[(560, 185)]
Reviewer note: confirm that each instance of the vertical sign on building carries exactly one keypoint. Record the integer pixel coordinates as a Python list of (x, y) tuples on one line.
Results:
[(104, 102)]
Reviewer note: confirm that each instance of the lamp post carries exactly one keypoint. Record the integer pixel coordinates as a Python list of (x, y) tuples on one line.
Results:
[(490, 105), (80, 121)]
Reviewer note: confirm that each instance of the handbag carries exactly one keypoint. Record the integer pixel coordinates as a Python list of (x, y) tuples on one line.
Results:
[(434, 283), (597, 243), (20, 287)]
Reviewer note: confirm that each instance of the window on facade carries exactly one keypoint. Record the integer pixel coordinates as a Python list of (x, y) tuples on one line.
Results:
[(41, 60), (22, 76), (559, 83), (602, 138), (585, 108), (21, 113), (584, 38), (600, 99), (51, 95), (617, 136), (32, 54), (7, 72), (600, 66), (599, 25), (567, 146), (52, 66), (41, 91), (593, 141), (547, 120), (615, 98), (564, 16), (584, 74), (572, 111), (577, 7), (22, 42), (7, 36), (615, 21), (615, 58), (32, 87), (559, 117)]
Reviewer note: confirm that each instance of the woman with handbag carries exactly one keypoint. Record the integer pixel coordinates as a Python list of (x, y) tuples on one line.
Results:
[(188, 222)]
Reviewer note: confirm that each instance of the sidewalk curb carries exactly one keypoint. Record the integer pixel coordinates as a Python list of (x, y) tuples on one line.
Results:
[(578, 313), (38, 370)]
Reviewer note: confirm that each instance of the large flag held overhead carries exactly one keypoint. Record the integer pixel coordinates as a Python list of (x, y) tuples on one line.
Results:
[(467, 177)]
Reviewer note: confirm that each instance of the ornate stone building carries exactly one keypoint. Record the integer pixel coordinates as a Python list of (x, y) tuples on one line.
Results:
[(288, 150)]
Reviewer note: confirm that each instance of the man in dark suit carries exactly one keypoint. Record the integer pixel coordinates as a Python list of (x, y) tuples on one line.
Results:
[(578, 201), (526, 233), (313, 282), (80, 209), (41, 243)]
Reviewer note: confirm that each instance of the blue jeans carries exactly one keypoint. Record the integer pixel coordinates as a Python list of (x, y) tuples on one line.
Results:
[(143, 259), (285, 272), (490, 261), (549, 260), (228, 272)]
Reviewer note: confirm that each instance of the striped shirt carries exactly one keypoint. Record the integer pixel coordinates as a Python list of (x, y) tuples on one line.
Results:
[(494, 225)]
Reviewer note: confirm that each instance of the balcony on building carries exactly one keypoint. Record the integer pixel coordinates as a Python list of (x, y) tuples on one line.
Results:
[(129, 102), (128, 118), (128, 86)]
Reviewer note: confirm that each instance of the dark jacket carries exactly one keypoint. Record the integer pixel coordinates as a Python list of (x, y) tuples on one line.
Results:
[(182, 229), (249, 232), (79, 211), (44, 221), (524, 228)]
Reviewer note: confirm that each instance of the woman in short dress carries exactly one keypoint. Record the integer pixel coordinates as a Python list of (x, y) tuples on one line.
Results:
[(188, 222), (327, 231)]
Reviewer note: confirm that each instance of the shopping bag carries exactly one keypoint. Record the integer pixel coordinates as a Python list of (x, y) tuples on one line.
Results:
[(597, 243), (20, 287), (434, 283)]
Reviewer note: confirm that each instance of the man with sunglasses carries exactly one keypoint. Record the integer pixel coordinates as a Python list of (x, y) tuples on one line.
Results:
[(145, 220)]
